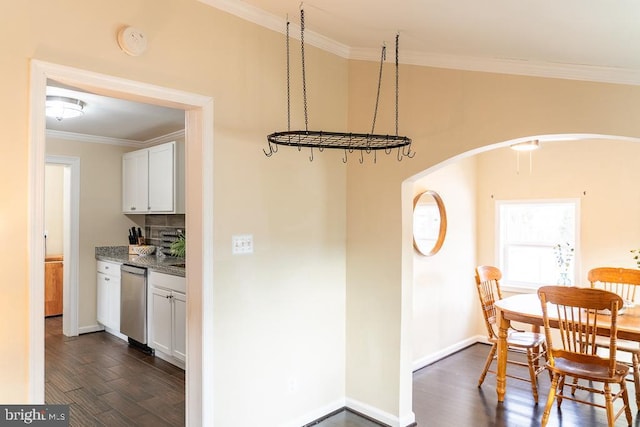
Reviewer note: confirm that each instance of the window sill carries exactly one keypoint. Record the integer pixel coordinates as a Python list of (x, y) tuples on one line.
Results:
[(515, 289)]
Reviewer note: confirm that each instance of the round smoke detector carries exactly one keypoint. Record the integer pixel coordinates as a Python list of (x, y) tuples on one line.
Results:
[(132, 41)]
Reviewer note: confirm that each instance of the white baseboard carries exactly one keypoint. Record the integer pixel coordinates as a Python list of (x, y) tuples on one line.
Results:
[(117, 334), (89, 329), (168, 358), (377, 414), (316, 414), (98, 328), (380, 415), (434, 357)]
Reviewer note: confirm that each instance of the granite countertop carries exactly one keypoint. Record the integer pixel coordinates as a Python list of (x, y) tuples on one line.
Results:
[(166, 264)]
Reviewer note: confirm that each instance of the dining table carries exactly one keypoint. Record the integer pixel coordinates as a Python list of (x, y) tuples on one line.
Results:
[(526, 308)]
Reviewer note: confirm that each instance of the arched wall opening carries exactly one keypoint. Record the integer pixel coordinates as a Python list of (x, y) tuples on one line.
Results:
[(599, 170)]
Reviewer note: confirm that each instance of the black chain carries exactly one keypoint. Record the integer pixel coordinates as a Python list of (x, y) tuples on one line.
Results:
[(304, 79), (288, 83), (397, 43), (383, 56)]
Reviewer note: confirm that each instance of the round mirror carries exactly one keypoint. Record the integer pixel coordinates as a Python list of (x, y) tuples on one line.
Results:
[(429, 223)]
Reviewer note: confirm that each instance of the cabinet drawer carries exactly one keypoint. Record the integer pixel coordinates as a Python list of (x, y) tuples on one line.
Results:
[(167, 281), (110, 268)]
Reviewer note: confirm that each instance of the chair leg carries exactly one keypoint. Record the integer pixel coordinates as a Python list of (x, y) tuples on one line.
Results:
[(561, 388), (609, 404), (552, 394), (546, 358), (636, 376), (573, 388), (532, 374), (625, 400), (487, 364)]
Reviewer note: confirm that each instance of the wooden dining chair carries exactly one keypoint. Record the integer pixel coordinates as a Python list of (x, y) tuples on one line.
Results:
[(576, 314), (531, 343), (624, 282)]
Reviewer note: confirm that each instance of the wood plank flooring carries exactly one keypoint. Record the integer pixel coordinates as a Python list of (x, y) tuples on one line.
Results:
[(446, 394), (108, 383)]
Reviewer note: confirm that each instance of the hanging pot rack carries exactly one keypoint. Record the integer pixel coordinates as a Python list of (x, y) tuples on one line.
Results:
[(347, 141)]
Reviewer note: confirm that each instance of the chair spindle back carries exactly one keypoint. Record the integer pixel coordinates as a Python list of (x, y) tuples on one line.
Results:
[(488, 285), (579, 313), (621, 281)]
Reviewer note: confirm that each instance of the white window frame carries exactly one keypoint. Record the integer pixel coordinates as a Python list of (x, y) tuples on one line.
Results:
[(522, 287)]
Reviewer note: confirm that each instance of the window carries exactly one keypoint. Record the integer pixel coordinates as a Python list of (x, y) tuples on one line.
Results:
[(528, 235)]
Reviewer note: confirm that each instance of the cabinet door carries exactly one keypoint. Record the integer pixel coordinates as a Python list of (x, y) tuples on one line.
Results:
[(135, 181), (160, 320), (114, 303), (161, 178), (179, 326), (53, 288), (103, 299)]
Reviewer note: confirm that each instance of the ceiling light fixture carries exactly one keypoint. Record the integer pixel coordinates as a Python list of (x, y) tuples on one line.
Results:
[(534, 144), (347, 141), (62, 107)]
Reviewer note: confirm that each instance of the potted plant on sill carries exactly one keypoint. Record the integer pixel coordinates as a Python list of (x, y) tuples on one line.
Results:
[(564, 255)]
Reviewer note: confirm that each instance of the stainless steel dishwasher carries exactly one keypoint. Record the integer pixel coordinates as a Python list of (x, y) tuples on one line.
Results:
[(133, 305)]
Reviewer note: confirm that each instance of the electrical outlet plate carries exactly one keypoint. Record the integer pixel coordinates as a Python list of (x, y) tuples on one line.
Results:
[(242, 244)]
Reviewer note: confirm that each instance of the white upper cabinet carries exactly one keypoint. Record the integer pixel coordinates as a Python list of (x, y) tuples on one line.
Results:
[(135, 181), (162, 178), (153, 179)]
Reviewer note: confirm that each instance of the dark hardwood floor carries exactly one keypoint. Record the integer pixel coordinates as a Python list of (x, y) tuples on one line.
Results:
[(107, 383), (446, 394)]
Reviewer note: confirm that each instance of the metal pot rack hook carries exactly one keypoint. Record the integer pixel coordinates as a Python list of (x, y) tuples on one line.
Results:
[(272, 149), (406, 151), (344, 159)]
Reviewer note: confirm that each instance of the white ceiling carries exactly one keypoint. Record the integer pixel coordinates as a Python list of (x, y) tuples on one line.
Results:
[(596, 40), (584, 39), (115, 121)]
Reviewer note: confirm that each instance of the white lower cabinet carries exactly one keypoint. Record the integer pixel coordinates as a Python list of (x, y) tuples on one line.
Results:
[(167, 317), (180, 326), (108, 297)]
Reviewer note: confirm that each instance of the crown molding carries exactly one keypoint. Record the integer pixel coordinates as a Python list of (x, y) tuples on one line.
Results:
[(511, 66), (96, 139), (268, 20), (490, 65), (179, 134)]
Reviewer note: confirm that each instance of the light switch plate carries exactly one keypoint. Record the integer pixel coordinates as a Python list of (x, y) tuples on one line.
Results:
[(242, 244)]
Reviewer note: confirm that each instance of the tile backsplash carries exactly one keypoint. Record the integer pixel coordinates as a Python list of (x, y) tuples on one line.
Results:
[(162, 230)]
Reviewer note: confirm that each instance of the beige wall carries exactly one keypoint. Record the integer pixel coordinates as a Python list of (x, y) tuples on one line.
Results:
[(53, 208), (602, 174), (444, 305)]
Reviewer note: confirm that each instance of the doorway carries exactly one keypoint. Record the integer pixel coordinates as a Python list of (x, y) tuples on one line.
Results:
[(70, 237), (199, 205)]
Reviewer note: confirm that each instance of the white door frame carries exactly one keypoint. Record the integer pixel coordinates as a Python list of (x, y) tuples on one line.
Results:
[(199, 222), (70, 240)]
